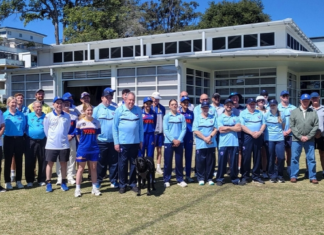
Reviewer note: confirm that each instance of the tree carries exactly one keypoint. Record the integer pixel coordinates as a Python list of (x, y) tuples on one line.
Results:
[(228, 13)]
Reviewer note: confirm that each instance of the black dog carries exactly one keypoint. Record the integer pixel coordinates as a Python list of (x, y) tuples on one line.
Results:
[(145, 169)]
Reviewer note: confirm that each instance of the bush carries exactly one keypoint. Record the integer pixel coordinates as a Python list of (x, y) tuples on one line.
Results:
[(3, 107)]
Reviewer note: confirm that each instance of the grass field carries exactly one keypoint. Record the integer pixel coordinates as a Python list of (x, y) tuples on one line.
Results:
[(267, 209)]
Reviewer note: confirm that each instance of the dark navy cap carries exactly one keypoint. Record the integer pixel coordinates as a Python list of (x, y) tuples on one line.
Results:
[(216, 95), (147, 99), (284, 92), (228, 100), (305, 97), (314, 94), (38, 90), (205, 104), (108, 91), (250, 100), (57, 98), (264, 92), (184, 98), (273, 102)]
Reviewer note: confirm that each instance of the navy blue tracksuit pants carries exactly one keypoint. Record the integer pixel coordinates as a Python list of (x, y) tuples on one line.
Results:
[(187, 145), (205, 164), (251, 147), (127, 154), (108, 158), (168, 156), (223, 154), (275, 149)]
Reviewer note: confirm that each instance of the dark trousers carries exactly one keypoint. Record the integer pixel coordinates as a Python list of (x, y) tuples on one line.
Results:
[(187, 145), (35, 149), (251, 147), (0, 159), (275, 149), (168, 156), (127, 154), (223, 154), (205, 164), (13, 145), (148, 145), (108, 158)]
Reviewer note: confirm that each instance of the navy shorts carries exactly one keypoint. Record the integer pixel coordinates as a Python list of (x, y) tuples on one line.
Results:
[(92, 157), (53, 154), (288, 141), (319, 143), (159, 140)]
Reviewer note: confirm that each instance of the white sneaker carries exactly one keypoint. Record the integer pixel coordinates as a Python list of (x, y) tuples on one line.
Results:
[(201, 183), (72, 181), (159, 171), (59, 182), (96, 192), (182, 184), (19, 185), (29, 185), (189, 180), (42, 184), (8, 186), (167, 184), (77, 193)]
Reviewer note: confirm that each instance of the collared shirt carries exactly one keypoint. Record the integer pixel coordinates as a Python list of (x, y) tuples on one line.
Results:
[(219, 109), (56, 129), (15, 123), (236, 112), (128, 125), (160, 112), (45, 108), (25, 110), (320, 114), (212, 111), (189, 116), (88, 131), (273, 131), (149, 121), (35, 126), (286, 110), (229, 139), (105, 115), (174, 127), (205, 126), (74, 118), (253, 121)]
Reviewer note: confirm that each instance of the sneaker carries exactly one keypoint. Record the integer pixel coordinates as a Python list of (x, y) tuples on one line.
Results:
[(281, 180), (201, 183), (265, 175), (258, 181), (49, 188), (2, 190), (167, 185), (95, 191), (59, 182), (159, 171), (72, 181), (135, 189), (19, 185), (273, 181), (29, 185), (8, 186), (241, 182), (182, 184), (219, 183), (210, 182), (42, 184), (189, 180), (64, 187), (114, 185), (122, 190), (77, 193)]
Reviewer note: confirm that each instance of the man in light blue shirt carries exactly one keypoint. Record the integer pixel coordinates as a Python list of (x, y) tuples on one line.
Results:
[(128, 139), (105, 113), (204, 98), (253, 125)]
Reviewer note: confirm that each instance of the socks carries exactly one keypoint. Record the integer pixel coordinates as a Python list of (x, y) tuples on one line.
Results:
[(78, 187), (158, 166), (94, 186), (13, 173)]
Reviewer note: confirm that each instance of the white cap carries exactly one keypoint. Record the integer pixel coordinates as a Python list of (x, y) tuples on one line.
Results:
[(156, 95), (260, 97)]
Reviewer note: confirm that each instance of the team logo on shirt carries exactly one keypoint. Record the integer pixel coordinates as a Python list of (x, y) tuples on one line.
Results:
[(221, 153), (259, 117), (211, 121)]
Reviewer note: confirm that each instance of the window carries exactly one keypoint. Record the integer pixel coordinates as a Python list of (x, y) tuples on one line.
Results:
[(68, 57), (157, 49), (198, 82), (2, 32), (251, 40), (197, 45), (266, 39), (128, 51), (288, 40), (138, 50), (78, 56), (170, 47), (115, 52), (104, 53), (234, 42), (31, 37), (57, 57), (184, 46), (219, 43), (20, 35), (9, 32), (92, 56)]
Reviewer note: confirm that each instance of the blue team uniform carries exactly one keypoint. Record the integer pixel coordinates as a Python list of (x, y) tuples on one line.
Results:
[(35, 128), (212, 111), (25, 110), (15, 124), (174, 127), (286, 111), (160, 112), (253, 121), (149, 124)]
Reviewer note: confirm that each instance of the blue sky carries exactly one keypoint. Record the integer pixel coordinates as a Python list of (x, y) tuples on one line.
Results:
[(308, 15)]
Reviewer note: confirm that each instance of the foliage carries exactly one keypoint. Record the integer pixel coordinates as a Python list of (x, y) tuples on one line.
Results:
[(228, 13)]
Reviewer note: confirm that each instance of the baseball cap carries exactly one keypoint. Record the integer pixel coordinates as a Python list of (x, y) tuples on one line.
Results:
[(250, 100), (264, 92), (284, 92), (228, 100), (67, 94), (146, 99), (83, 94), (235, 93), (39, 90), (67, 99), (56, 98), (273, 102), (184, 98), (260, 97), (108, 91), (205, 104), (305, 97), (314, 94), (156, 95), (216, 95)]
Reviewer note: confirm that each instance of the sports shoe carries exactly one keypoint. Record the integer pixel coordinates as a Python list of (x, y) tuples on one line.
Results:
[(114, 185), (19, 185), (265, 175), (281, 180), (64, 187), (258, 181), (273, 181), (77, 193), (219, 183), (42, 184), (2, 190), (72, 181), (201, 183), (122, 190), (159, 171), (189, 180), (135, 189), (241, 182), (167, 185), (59, 182), (49, 188), (29, 185), (96, 192), (8, 186), (210, 182), (182, 184)]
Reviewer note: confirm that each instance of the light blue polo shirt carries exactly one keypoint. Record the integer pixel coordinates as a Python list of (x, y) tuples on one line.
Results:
[(25, 110), (273, 131), (206, 127), (128, 125), (35, 126), (174, 127), (286, 110), (105, 115), (229, 139), (253, 121), (212, 111), (15, 125)]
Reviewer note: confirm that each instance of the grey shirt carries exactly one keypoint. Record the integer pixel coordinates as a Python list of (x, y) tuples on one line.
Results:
[(320, 114)]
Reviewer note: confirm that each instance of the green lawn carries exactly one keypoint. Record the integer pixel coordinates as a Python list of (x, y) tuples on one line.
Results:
[(252, 209)]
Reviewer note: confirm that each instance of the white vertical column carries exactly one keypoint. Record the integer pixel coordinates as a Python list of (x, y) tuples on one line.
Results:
[(203, 35), (281, 83), (142, 48), (113, 81), (89, 52)]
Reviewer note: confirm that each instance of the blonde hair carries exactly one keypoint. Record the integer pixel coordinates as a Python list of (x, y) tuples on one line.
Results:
[(85, 106), (279, 116), (9, 99)]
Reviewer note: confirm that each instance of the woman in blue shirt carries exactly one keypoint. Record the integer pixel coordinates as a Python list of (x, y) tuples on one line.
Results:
[(174, 129), (13, 141), (275, 144)]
